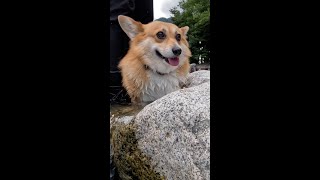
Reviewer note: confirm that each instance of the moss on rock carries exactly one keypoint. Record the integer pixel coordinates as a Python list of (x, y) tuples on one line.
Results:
[(131, 163)]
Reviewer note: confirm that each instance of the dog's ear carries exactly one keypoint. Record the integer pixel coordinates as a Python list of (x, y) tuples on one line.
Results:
[(185, 29), (130, 26)]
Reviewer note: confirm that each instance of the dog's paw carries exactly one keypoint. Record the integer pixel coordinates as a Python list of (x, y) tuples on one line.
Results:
[(182, 85)]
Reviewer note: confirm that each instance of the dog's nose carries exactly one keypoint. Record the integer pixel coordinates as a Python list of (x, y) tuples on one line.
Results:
[(176, 51)]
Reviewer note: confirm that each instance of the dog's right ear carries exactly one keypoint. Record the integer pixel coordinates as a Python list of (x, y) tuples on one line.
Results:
[(130, 26)]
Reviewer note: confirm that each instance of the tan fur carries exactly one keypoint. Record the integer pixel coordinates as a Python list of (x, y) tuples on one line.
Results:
[(134, 75)]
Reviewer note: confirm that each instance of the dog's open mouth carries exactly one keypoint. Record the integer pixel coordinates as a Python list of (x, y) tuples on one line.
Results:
[(172, 61)]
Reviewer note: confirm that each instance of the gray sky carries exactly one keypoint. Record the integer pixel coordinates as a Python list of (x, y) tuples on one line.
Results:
[(161, 8)]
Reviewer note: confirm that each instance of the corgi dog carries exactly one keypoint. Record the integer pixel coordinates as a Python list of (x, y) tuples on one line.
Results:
[(157, 62)]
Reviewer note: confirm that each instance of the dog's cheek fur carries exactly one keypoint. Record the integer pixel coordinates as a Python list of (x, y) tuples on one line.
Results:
[(133, 73), (186, 51), (148, 46)]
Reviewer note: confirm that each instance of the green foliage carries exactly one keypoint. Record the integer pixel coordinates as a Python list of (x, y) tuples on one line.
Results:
[(196, 15)]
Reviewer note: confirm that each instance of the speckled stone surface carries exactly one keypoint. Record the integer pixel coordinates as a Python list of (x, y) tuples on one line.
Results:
[(175, 131), (198, 77)]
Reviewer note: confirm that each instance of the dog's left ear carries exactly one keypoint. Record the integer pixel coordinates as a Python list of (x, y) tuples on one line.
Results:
[(130, 26), (185, 29)]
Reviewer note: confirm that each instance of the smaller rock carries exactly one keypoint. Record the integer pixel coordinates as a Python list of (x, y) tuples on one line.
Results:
[(125, 119), (197, 78)]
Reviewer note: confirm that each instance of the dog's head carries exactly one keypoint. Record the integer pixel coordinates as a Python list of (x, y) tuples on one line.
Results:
[(162, 46)]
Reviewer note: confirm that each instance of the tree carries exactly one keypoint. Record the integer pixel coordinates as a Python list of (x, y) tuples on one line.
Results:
[(196, 15)]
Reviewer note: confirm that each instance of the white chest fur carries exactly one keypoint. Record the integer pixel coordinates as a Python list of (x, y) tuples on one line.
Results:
[(159, 85)]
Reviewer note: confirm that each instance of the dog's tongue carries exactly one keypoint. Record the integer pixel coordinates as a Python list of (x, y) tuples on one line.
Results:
[(174, 61)]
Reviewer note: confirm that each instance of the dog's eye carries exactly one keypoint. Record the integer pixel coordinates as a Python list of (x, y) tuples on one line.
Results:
[(161, 35), (178, 37)]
